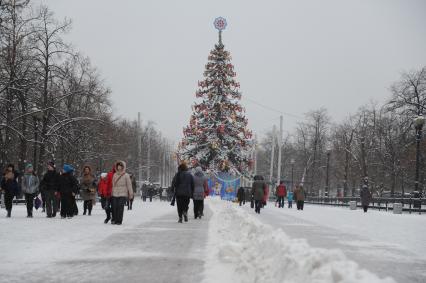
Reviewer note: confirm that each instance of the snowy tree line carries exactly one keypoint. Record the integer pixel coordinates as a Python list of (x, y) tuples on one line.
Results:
[(378, 141), (54, 105)]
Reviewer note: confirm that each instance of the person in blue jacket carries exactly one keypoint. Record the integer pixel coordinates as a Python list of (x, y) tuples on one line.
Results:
[(290, 199)]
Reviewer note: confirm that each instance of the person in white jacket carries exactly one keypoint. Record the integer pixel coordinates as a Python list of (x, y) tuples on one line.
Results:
[(121, 192), (29, 185)]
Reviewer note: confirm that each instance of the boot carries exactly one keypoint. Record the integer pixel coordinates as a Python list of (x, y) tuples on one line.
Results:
[(185, 216), (90, 212), (106, 220), (84, 212), (8, 213), (180, 220)]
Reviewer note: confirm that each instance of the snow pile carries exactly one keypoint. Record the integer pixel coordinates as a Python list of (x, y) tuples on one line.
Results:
[(242, 249)]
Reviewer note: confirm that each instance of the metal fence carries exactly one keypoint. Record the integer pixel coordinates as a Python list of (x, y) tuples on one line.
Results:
[(410, 205)]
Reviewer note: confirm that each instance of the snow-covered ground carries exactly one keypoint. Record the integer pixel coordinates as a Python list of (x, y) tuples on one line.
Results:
[(384, 243), (230, 244), (243, 249), (150, 246)]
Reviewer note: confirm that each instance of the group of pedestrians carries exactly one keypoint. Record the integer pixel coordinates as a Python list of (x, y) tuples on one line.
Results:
[(187, 185), (260, 195), (58, 190)]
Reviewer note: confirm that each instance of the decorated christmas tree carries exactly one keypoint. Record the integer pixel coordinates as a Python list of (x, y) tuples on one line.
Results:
[(217, 137)]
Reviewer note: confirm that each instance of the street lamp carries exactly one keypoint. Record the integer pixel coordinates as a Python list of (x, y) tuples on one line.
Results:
[(418, 124), (292, 173), (37, 115), (327, 173)]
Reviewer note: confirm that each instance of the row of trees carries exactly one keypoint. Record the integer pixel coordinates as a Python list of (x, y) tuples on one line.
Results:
[(53, 104), (378, 142)]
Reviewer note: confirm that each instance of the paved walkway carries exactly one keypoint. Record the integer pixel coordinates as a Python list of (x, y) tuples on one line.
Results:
[(161, 250)]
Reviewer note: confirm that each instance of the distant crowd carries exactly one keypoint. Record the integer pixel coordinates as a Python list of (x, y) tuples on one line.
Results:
[(57, 190)]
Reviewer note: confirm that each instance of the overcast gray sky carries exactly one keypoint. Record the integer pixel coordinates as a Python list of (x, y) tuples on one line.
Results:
[(294, 56)]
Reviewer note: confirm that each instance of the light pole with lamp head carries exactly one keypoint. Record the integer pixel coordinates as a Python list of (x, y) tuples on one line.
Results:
[(292, 173), (327, 179), (418, 123)]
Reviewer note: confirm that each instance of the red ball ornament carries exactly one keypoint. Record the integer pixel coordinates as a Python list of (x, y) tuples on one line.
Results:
[(221, 129)]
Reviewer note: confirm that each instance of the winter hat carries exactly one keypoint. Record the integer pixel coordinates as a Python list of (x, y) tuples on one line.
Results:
[(51, 163), (198, 169), (29, 165), (68, 168), (103, 175)]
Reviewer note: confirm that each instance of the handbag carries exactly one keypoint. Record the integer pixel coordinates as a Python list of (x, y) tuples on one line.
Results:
[(172, 203), (37, 202)]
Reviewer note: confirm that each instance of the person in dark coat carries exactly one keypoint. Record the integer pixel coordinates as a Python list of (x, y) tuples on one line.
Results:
[(365, 195), (151, 191), (241, 196), (49, 184), (30, 184), (9, 187), (130, 201), (144, 192), (259, 190), (183, 184), (68, 188)]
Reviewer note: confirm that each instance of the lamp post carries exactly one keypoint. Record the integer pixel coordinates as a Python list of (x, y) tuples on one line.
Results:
[(292, 173), (37, 115), (327, 173), (418, 123)]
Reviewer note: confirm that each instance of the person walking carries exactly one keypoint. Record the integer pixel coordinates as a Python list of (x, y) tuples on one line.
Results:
[(290, 199), (365, 195), (9, 187), (121, 191), (102, 189), (281, 192), (241, 196), (107, 194), (183, 184), (88, 190), (200, 188), (29, 185), (259, 189), (300, 195), (130, 201), (151, 191), (68, 188), (49, 184), (144, 192)]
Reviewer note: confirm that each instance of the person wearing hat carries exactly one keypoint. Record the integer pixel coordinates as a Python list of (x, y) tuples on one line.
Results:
[(68, 188), (49, 185), (200, 187), (29, 187)]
